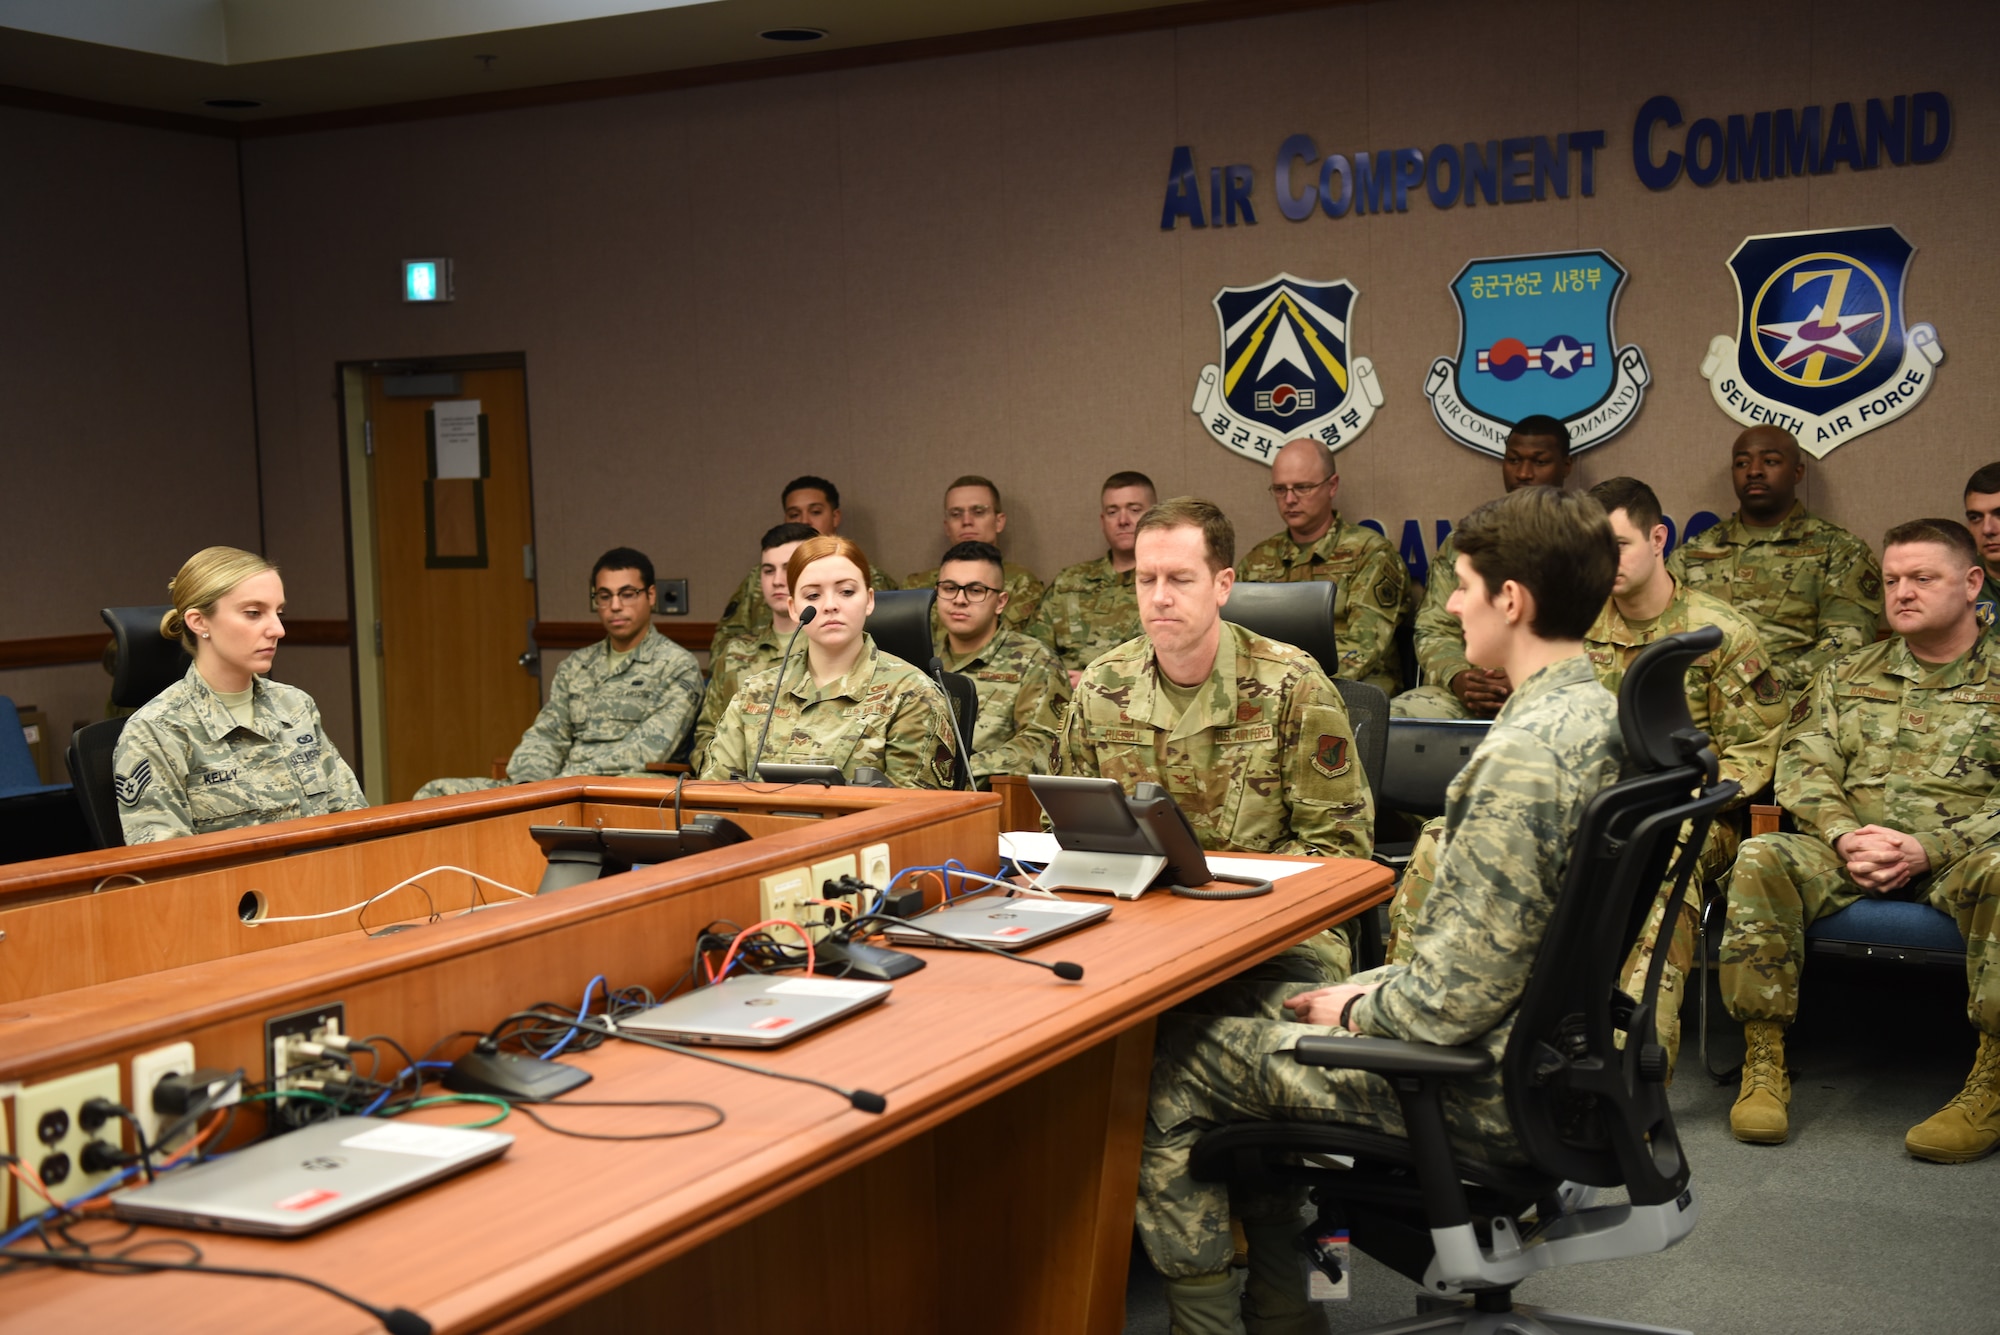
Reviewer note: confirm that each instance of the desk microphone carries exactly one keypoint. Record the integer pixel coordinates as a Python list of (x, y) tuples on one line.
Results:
[(1066, 970), (863, 1100), (804, 617)]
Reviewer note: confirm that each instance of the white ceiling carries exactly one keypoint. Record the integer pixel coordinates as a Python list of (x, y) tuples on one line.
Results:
[(298, 57)]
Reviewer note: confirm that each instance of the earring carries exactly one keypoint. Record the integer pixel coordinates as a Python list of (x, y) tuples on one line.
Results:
[(204, 635)]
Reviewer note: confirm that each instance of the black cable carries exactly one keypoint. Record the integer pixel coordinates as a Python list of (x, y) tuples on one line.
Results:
[(864, 1100), (1066, 970), (528, 1106), (1260, 887)]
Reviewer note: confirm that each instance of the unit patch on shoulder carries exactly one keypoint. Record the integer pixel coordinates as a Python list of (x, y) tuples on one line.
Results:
[(1330, 755)]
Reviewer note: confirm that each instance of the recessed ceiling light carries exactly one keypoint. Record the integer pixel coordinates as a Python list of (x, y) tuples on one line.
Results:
[(792, 34), (232, 103)]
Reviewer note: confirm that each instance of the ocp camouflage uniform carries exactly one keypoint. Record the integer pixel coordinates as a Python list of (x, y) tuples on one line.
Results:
[(602, 717), (1988, 601), (747, 613), (184, 765), (741, 659), (1882, 739), (1262, 761), (883, 713), (1511, 817), (1087, 609), (1370, 586), (1023, 692), (1024, 598), (1812, 589), (1440, 643)]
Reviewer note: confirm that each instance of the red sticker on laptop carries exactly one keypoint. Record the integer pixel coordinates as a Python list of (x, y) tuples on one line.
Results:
[(1011, 931), (773, 1022), (308, 1200)]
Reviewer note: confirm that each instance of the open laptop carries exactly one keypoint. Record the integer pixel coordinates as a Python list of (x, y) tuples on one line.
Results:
[(1008, 924), (757, 1010), (306, 1179)]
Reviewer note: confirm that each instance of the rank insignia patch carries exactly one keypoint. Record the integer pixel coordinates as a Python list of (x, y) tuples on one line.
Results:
[(1821, 348), (130, 786), (1535, 337), (1287, 369)]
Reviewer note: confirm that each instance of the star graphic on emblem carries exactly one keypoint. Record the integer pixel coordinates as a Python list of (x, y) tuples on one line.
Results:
[(1816, 333), (1562, 355), (1284, 348)]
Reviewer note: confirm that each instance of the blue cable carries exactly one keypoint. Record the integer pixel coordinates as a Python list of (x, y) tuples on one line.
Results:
[(369, 1111), (27, 1227), (581, 1012)]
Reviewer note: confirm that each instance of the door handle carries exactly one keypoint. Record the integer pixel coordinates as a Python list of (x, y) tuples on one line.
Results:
[(531, 657)]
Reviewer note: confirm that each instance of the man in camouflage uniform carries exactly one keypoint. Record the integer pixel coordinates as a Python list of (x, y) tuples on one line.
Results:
[(1370, 581), (1812, 589), (1982, 516), (1537, 455), (972, 513), (1891, 770), (1022, 688), (614, 706), (1090, 607), (1532, 564), (806, 500), (743, 658)]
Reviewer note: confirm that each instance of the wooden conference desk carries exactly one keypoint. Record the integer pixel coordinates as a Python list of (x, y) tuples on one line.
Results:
[(994, 1194)]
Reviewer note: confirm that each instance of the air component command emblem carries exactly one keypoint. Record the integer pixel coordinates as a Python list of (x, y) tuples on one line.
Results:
[(1287, 368), (1820, 348), (1535, 337)]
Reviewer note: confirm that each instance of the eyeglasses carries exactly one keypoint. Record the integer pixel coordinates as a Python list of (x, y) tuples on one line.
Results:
[(606, 597), (972, 593), (1280, 491), (968, 512)]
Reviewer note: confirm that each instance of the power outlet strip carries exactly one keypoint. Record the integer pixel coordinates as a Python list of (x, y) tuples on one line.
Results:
[(285, 1066), (48, 1126), (830, 870), (148, 1069)]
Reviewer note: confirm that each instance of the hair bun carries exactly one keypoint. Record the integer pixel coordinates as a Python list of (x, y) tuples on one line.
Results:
[(172, 625)]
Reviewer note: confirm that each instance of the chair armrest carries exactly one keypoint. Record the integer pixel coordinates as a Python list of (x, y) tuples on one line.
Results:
[(1764, 819), (499, 770), (1391, 1056)]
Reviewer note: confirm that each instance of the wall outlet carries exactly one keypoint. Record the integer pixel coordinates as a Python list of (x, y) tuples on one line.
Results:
[(783, 894), (148, 1069), (285, 1065), (48, 1126), (875, 866), (673, 598), (830, 870)]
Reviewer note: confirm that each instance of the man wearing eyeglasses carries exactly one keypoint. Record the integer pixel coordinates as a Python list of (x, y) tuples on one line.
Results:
[(615, 705), (1021, 684), (972, 513), (1370, 583)]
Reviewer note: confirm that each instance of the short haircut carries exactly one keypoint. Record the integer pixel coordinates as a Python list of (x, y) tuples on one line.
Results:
[(624, 558), (1542, 425), (1218, 535), (1320, 452), (1986, 481), (1946, 533), (779, 534), (203, 579), (818, 548), (807, 482), (1128, 478), (1557, 545), (974, 480), (1632, 496), (976, 551)]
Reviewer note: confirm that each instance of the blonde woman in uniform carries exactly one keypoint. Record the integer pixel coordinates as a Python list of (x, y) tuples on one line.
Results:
[(225, 746)]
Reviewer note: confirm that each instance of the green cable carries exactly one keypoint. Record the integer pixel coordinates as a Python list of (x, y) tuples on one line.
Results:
[(499, 1103)]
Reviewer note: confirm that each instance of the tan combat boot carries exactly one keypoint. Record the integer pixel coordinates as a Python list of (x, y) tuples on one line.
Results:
[(1760, 1116), (1204, 1305), (1968, 1127)]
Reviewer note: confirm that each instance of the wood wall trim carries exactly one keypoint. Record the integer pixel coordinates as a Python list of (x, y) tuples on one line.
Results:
[(690, 635), (65, 650), (32, 99)]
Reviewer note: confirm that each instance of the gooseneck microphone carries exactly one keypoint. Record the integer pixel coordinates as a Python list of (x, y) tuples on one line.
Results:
[(1066, 970), (863, 1100), (771, 713)]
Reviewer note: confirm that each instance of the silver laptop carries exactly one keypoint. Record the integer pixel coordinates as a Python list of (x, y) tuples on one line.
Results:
[(309, 1178), (757, 1010), (1009, 924)]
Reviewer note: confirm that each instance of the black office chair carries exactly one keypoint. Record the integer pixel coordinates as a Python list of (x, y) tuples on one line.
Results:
[(963, 696), (901, 625), (144, 663), (1586, 1112), (90, 749), (1421, 757), (1300, 615)]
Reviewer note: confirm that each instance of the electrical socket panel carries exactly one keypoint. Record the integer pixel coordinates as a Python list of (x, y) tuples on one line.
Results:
[(48, 1125), (148, 1069), (875, 866), (280, 1031), (783, 894), (830, 870)]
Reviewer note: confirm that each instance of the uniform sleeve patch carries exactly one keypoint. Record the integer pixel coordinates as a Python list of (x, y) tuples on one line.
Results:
[(130, 786), (1765, 687), (1330, 755), (1801, 709), (1871, 585)]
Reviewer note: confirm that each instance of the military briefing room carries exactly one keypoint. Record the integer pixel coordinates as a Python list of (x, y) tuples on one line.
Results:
[(423, 393)]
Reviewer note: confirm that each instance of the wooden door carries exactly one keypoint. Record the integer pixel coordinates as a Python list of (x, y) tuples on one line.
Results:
[(455, 569)]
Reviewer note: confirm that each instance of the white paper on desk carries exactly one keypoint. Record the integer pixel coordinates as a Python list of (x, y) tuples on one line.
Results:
[(429, 1142), (456, 427), (1039, 847)]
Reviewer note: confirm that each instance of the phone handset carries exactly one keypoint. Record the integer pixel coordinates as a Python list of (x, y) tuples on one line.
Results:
[(1166, 830)]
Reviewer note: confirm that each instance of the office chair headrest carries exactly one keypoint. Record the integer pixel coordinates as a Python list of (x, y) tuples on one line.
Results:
[(144, 663), (1300, 615), (901, 624), (1652, 705)]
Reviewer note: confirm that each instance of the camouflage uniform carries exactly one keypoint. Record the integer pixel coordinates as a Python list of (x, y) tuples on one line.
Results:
[(1985, 605), (1882, 739), (1440, 643), (184, 765), (747, 613), (1023, 692), (883, 713), (1812, 589), (741, 659), (1024, 598), (1511, 817), (1087, 609), (602, 719), (1263, 761), (1371, 584)]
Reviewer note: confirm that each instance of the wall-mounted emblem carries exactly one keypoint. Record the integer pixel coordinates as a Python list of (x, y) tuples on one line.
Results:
[(1535, 337), (1287, 368), (1820, 346)]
